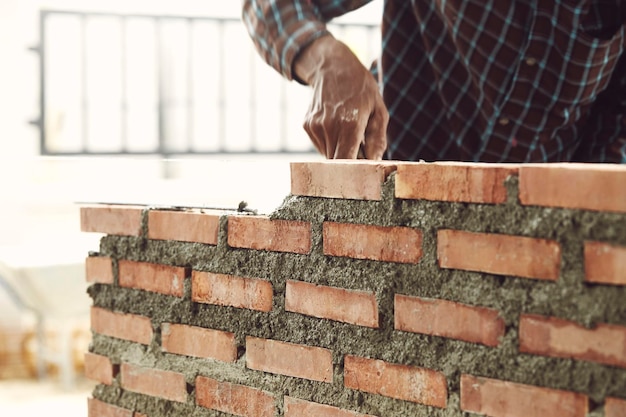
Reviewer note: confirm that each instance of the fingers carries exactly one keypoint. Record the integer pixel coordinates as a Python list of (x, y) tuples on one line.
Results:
[(350, 134), (375, 137), (336, 134), (348, 145), (316, 132)]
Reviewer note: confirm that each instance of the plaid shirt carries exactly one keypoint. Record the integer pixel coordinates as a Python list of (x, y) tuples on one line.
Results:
[(481, 80)]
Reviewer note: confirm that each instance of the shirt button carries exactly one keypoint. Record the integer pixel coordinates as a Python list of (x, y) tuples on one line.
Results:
[(530, 61), (504, 121)]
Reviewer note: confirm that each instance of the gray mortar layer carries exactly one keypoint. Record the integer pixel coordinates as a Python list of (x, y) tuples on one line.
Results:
[(568, 298)]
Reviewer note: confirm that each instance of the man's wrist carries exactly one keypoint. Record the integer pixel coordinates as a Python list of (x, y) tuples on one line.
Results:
[(307, 62)]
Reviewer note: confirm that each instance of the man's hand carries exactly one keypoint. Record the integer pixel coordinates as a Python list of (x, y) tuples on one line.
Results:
[(347, 110)]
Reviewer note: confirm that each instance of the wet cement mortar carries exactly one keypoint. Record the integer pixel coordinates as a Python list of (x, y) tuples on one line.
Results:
[(567, 298)]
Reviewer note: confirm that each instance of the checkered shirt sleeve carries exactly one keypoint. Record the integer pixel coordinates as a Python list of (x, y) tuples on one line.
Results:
[(280, 29)]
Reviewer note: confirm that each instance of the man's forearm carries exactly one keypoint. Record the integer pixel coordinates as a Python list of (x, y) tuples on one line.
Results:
[(281, 28), (319, 53)]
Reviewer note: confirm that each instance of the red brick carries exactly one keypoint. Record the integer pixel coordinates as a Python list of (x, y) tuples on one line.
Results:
[(99, 270), (198, 341), (551, 336), (295, 407), (112, 220), (289, 359), (335, 179), (454, 181), (389, 244), (605, 264), (577, 186), (614, 407), (261, 233), (448, 319), (97, 408), (499, 254), (163, 279), (186, 226), (99, 368), (419, 385), (348, 306), (121, 326), (238, 400), (228, 290), (496, 398), (154, 382)]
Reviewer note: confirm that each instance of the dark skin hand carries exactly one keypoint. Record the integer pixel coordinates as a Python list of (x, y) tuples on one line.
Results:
[(347, 114)]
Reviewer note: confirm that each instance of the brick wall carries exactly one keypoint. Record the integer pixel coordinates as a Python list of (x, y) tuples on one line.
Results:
[(376, 289)]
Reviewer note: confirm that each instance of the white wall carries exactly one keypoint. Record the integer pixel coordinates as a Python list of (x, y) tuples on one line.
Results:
[(19, 71)]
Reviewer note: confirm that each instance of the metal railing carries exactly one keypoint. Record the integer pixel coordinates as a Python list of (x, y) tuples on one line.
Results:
[(116, 84)]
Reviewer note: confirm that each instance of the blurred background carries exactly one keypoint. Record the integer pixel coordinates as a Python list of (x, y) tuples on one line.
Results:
[(133, 101)]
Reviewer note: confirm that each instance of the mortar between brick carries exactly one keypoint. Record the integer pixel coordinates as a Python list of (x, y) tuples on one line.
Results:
[(569, 298)]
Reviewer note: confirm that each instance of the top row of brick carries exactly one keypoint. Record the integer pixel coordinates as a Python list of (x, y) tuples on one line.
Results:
[(600, 187)]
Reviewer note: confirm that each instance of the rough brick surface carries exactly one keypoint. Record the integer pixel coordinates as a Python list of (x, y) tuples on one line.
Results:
[(295, 407), (576, 186), (261, 233), (403, 382), (121, 326), (154, 382), (99, 270), (112, 220), (378, 243), (301, 361), (551, 336), (97, 408), (448, 319), (354, 297), (184, 226), (99, 368), (340, 179), (198, 341), (605, 264), (506, 399), (234, 399), (455, 182), (229, 290), (354, 307), (499, 254), (163, 279), (614, 407)]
